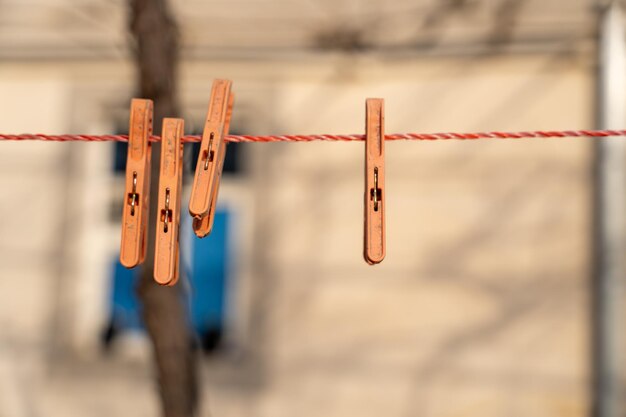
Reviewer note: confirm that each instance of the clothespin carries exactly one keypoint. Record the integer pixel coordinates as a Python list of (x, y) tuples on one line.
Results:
[(374, 247), (166, 248), (137, 197), (211, 160), (202, 226)]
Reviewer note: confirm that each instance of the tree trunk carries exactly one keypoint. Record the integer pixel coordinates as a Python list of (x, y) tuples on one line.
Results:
[(164, 308)]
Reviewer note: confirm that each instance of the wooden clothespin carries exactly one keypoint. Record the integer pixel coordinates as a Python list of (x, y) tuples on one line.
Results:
[(211, 160), (166, 248), (374, 247), (137, 197)]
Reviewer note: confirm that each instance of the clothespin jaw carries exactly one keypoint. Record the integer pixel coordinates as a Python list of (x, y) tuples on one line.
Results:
[(374, 246), (137, 190), (211, 160), (166, 256)]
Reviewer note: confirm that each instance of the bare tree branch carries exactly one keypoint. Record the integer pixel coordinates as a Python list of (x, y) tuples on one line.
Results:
[(164, 309)]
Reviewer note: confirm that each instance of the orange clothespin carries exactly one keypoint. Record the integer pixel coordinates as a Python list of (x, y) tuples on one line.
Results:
[(211, 161), (374, 247), (202, 226), (166, 248), (137, 197)]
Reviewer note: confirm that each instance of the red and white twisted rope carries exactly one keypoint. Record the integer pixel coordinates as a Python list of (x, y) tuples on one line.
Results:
[(343, 138)]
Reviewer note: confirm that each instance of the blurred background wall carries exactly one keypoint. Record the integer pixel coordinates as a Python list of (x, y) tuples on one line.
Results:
[(483, 305)]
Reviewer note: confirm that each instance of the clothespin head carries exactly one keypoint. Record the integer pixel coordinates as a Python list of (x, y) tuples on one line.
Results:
[(137, 198), (374, 236), (166, 256), (211, 160)]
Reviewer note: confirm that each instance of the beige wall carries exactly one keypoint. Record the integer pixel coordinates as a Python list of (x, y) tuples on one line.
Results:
[(480, 308)]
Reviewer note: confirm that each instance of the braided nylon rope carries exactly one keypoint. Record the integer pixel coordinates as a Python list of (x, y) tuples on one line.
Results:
[(344, 138)]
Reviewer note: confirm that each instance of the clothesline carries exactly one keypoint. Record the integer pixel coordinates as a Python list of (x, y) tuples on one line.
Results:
[(326, 137)]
